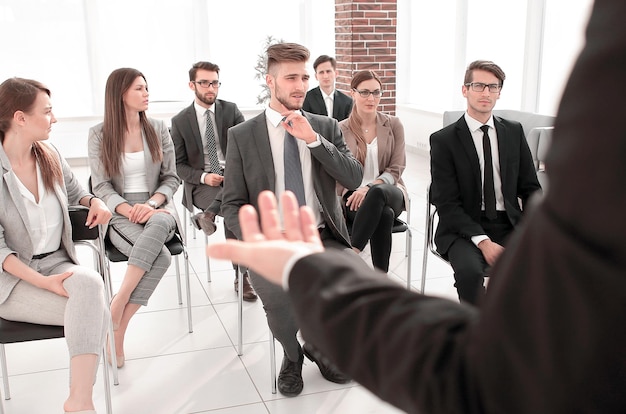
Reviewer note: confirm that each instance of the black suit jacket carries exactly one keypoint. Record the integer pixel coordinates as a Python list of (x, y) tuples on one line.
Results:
[(250, 170), (456, 188), (550, 336), (188, 144), (314, 103)]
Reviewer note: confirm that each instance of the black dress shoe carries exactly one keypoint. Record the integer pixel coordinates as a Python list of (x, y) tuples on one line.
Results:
[(204, 221), (249, 295), (327, 369), (290, 377)]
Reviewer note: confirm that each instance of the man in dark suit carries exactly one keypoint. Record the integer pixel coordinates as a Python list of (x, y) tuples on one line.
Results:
[(325, 99), (480, 166), (194, 153), (259, 158)]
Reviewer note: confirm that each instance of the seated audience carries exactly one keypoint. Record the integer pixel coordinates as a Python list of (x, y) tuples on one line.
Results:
[(547, 338)]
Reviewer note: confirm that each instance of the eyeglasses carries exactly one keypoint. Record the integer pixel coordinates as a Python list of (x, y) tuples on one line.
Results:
[(480, 87), (205, 83), (366, 93)]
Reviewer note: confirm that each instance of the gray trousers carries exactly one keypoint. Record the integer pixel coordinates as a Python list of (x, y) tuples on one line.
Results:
[(278, 307), (85, 315), (147, 250)]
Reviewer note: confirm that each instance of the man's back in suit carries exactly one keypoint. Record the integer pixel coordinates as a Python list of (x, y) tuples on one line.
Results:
[(465, 235)]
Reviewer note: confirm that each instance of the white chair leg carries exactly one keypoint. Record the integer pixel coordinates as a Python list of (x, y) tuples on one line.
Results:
[(5, 374), (188, 286), (409, 256), (208, 263), (273, 362), (107, 384), (180, 293), (239, 312)]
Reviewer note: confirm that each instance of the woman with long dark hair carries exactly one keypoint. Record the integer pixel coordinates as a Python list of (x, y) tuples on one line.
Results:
[(133, 170)]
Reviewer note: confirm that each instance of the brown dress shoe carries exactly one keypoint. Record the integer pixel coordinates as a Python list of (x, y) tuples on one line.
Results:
[(205, 221), (249, 294)]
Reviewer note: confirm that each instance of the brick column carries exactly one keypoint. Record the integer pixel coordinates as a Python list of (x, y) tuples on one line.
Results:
[(365, 38)]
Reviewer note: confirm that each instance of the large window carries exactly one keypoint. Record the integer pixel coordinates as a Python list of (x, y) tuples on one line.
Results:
[(73, 45), (534, 41)]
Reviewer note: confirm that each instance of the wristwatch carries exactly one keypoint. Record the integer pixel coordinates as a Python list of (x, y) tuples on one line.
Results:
[(152, 204)]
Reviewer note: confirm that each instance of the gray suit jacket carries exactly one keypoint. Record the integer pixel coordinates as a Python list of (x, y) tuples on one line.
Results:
[(188, 144), (14, 229), (161, 176), (314, 103), (250, 170)]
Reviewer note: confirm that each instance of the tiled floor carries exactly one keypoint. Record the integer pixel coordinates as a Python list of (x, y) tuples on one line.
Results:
[(170, 370)]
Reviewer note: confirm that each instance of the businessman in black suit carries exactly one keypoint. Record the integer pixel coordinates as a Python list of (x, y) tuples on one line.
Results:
[(194, 154), (325, 99), (480, 166)]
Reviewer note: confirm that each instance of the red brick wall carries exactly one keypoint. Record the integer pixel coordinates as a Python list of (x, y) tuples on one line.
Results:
[(365, 38)]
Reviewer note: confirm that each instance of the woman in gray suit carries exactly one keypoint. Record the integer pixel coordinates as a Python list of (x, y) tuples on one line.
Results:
[(133, 170), (377, 141), (40, 280)]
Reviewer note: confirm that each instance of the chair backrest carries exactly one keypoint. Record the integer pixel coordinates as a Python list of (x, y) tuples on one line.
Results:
[(539, 140), (529, 120)]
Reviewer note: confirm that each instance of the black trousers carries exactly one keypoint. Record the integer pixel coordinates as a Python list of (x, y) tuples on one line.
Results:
[(469, 263), (373, 221)]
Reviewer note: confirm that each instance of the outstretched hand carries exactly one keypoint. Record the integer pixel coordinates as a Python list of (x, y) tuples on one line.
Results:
[(267, 251)]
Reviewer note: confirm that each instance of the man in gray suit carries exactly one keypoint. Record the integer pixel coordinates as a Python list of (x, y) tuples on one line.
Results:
[(258, 159), (325, 99), (200, 159)]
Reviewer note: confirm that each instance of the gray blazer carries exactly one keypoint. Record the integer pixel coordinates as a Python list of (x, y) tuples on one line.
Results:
[(14, 232), (188, 144), (161, 176), (250, 170)]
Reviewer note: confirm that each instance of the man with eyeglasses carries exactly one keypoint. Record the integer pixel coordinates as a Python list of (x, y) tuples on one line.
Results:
[(480, 166), (325, 99), (200, 134)]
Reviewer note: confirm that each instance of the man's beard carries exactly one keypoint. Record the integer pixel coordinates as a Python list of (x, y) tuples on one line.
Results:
[(208, 101)]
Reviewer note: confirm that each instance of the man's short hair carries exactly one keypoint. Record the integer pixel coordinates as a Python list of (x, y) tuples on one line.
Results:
[(211, 67), (286, 52), (485, 65), (324, 59)]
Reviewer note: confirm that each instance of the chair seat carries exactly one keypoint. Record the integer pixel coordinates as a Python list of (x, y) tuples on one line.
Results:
[(175, 246), (399, 226), (13, 332)]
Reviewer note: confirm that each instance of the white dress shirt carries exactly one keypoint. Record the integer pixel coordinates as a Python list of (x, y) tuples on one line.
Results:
[(276, 133), (45, 218), (329, 100)]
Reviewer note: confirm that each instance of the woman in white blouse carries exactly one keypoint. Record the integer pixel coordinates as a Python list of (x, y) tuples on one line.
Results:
[(377, 141), (133, 170), (41, 281)]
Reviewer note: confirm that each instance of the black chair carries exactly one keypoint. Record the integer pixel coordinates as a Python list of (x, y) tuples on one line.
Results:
[(176, 247), (15, 332)]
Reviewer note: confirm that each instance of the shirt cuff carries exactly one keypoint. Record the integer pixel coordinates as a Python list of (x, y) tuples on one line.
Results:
[(316, 143), (301, 251), (479, 238)]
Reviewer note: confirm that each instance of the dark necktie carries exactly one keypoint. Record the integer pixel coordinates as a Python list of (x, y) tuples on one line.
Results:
[(214, 162), (489, 193), (293, 169)]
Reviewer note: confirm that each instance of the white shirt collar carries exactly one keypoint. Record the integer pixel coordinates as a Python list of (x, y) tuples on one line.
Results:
[(201, 110), (275, 117), (474, 125)]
